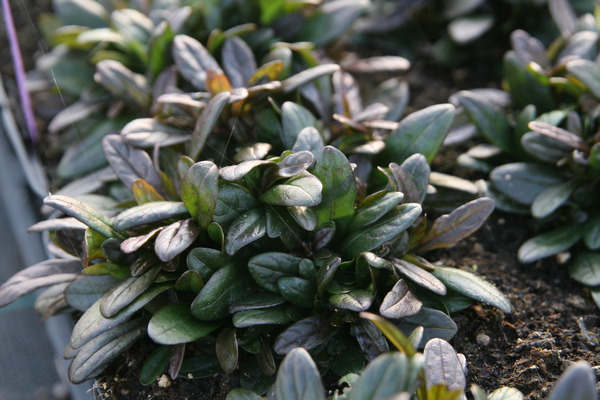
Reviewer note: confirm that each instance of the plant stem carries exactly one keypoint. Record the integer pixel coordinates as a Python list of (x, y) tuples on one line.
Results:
[(17, 59)]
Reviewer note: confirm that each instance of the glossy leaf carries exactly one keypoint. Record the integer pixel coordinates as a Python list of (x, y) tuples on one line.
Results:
[(304, 216), (522, 182), (149, 213), (419, 276), (129, 163), (387, 376), (143, 192), (577, 383), (370, 339), (436, 324), (245, 229), (227, 350), (421, 132), (238, 61), (460, 223), (154, 365), (550, 199), (217, 295), (294, 118), (301, 190), (309, 139), (233, 200), (374, 207), (587, 72), (585, 267), (392, 333), (298, 291), (236, 172), (442, 366), (298, 378), (268, 268), (549, 243), (174, 324), (472, 286), (84, 291), (174, 239), (92, 323), (126, 292), (294, 164), (306, 76), (148, 132), (308, 333), (93, 357), (193, 60), (135, 243), (489, 119), (524, 86), (396, 222), (45, 273), (333, 169), (122, 82), (355, 300), (82, 213), (591, 232), (266, 316), (206, 123), (399, 302)]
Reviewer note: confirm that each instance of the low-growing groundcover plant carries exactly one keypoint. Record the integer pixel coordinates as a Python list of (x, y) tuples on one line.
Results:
[(237, 265), (547, 144), (437, 373)]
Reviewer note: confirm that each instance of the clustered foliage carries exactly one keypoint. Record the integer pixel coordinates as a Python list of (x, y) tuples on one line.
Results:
[(544, 157), (231, 198)]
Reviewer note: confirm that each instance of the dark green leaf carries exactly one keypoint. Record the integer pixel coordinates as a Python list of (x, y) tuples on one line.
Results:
[(256, 301), (355, 300), (578, 382), (154, 365), (421, 132), (436, 324), (587, 72), (126, 292), (417, 170), (84, 291), (460, 223), (298, 291), (129, 163), (175, 324), (392, 333), (549, 243), (308, 333), (442, 366), (522, 182), (206, 123), (233, 200), (45, 273), (190, 281), (585, 267), (148, 132), (374, 207), (203, 366), (304, 216), (277, 315), (174, 239), (386, 229), (309, 139), (550, 199), (333, 169), (301, 190), (294, 119), (268, 268), (545, 148), (591, 232), (193, 60), (331, 20), (326, 274), (92, 323), (245, 229), (94, 355), (387, 376), (238, 61), (524, 86), (205, 261), (489, 119), (224, 286), (399, 302), (472, 286), (81, 212), (227, 350), (298, 378), (148, 213)]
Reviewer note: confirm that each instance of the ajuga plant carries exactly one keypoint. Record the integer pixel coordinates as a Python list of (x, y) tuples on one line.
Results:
[(437, 373), (545, 135), (239, 263)]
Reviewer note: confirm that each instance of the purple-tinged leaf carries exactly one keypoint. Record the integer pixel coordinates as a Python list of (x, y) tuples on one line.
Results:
[(82, 212), (175, 238), (238, 61), (193, 60), (399, 302)]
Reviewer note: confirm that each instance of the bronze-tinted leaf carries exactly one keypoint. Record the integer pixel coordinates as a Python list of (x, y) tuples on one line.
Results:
[(419, 276), (193, 60), (460, 223), (81, 212), (149, 213), (126, 292), (175, 238), (135, 243), (227, 350), (400, 302)]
